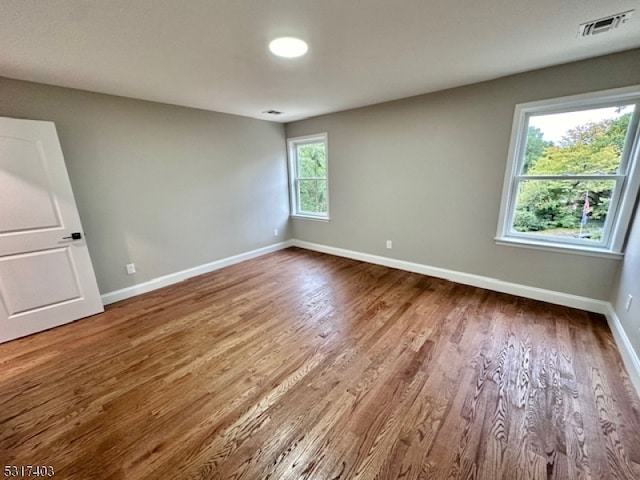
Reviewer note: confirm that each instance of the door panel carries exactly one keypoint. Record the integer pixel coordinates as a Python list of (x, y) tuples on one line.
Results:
[(26, 187), (46, 276), (33, 280)]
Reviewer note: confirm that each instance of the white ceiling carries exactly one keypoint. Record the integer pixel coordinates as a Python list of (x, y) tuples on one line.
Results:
[(213, 54)]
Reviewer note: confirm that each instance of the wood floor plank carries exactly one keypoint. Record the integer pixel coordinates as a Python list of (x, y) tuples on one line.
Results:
[(299, 365)]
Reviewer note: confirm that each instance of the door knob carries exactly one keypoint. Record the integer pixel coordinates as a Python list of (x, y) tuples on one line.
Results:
[(73, 236)]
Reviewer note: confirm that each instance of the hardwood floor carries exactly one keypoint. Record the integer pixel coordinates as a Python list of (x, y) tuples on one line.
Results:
[(299, 365)]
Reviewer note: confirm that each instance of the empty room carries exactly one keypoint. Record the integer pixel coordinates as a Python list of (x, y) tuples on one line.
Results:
[(278, 239)]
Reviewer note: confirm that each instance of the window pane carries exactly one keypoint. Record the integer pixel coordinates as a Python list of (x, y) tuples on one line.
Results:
[(563, 209), (313, 196), (586, 142), (312, 160)]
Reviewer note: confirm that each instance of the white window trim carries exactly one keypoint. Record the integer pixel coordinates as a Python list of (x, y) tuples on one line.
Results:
[(293, 175), (621, 212)]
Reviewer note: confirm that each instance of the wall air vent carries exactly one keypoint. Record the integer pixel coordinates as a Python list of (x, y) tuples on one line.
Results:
[(272, 112), (605, 24)]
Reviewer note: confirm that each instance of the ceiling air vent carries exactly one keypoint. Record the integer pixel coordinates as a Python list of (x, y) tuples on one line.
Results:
[(605, 24), (272, 112)]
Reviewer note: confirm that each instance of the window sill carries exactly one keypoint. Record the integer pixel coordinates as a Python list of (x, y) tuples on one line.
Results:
[(572, 249), (310, 217)]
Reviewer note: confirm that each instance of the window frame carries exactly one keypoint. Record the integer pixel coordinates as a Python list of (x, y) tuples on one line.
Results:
[(627, 179), (294, 177)]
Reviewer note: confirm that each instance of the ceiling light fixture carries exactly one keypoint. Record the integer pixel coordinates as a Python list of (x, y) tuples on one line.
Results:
[(288, 47)]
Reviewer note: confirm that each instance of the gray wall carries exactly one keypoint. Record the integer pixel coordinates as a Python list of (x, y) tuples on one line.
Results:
[(165, 187), (427, 173), (170, 188), (629, 284)]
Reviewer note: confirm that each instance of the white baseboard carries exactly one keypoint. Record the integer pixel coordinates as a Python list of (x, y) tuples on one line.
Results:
[(628, 354), (550, 296), (559, 298), (176, 277)]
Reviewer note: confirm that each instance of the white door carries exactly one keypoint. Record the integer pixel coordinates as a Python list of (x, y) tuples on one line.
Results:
[(46, 276)]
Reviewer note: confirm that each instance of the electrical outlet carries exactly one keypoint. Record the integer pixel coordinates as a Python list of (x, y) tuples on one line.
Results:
[(275, 232), (627, 305), (389, 244), (131, 268)]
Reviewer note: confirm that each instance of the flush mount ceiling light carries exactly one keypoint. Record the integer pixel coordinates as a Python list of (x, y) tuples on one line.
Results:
[(288, 47)]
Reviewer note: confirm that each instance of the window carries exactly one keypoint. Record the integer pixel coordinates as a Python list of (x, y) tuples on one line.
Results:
[(572, 179), (308, 176)]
